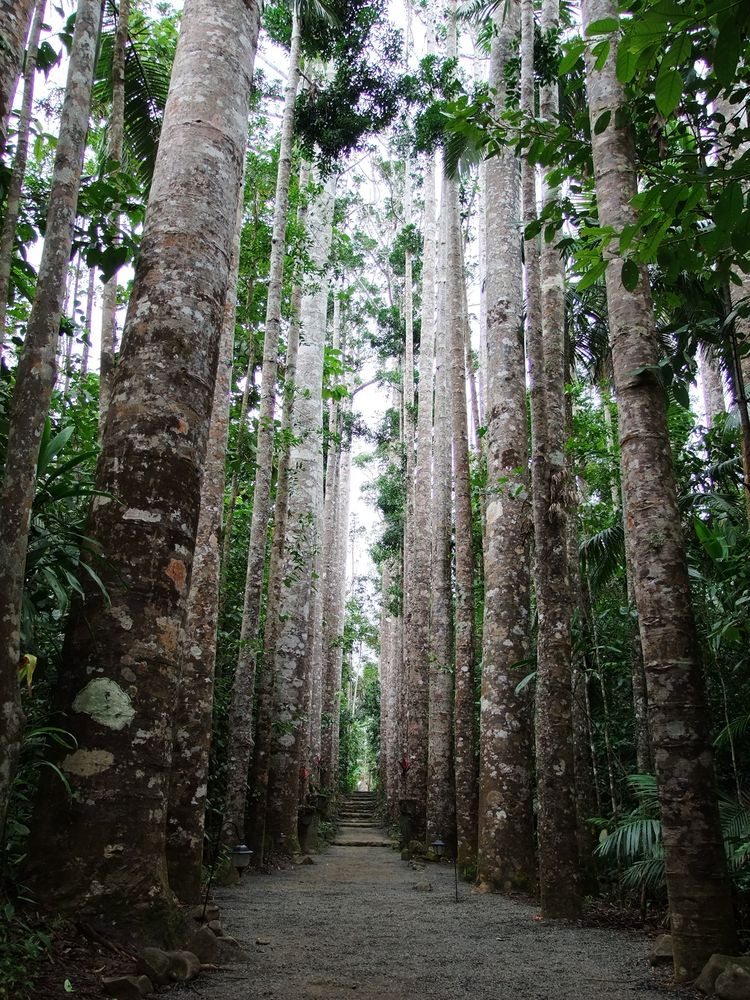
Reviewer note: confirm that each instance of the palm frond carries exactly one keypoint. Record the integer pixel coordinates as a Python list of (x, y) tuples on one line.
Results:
[(603, 554)]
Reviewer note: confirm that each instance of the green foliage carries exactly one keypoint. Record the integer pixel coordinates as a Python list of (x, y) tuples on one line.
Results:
[(21, 948), (364, 92)]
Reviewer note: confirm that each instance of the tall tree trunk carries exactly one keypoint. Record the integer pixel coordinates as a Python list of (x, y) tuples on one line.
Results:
[(506, 856), (557, 828), (241, 712), (465, 741), (262, 755), (301, 543), (441, 797), (13, 202), (90, 296), (414, 707), (119, 684), (191, 725), (35, 378), (339, 582), (15, 16), (712, 385), (698, 888), (115, 144)]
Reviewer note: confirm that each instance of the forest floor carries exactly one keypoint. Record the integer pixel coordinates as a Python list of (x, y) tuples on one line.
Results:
[(360, 922)]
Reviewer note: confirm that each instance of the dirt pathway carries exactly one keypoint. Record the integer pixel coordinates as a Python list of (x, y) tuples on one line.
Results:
[(353, 925)]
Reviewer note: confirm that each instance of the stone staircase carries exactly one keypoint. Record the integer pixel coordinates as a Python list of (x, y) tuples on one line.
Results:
[(358, 825)]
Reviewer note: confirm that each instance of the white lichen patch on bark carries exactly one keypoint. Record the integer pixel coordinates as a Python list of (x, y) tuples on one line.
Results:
[(106, 703), (85, 763)]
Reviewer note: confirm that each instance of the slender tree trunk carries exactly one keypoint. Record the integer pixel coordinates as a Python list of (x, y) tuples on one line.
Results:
[(115, 145), (191, 725), (241, 712), (557, 830), (506, 856), (35, 378), (262, 755), (441, 790), (339, 584), (414, 686), (698, 888), (712, 385), (13, 202), (305, 498), (465, 741), (119, 683), (90, 296), (15, 16)]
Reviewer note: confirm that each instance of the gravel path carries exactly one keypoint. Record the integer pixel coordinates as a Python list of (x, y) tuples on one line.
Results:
[(353, 925)]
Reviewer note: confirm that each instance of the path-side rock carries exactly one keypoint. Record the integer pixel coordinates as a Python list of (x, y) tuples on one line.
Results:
[(706, 981), (733, 983), (216, 927), (127, 987), (230, 952), (205, 945), (212, 912), (154, 963), (183, 966), (423, 886), (662, 950)]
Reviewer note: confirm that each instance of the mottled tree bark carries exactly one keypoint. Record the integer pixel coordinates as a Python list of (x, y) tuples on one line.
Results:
[(90, 296), (702, 919), (506, 857), (330, 683), (35, 379), (712, 385), (115, 144), (416, 636), (118, 687), (464, 737), (441, 797), (301, 542), (557, 827), (241, 712), (15, 16), (13, 201), (262, 754), (339, 584), (192, 718)]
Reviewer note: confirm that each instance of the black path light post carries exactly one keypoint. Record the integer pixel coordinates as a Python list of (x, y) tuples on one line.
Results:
[(241, 855), (438, 847)]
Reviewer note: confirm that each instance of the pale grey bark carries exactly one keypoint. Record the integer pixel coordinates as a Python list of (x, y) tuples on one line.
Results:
[(118, 687), (115, 144), (35, 378), (192, 726), (441, 799), (276, 569), (90, 297), (506, 859), (339, 585), (13, 200), (712, 385), (698, 889), (413, 709), (453, 356), (15, 16), (557, 828), (301, 542), (241, 712)]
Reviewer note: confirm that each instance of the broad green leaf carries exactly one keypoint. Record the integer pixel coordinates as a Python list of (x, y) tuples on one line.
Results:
[(629, 275), (668, 91), (604, 26), (602, 122), (626, 64), (573, 52)]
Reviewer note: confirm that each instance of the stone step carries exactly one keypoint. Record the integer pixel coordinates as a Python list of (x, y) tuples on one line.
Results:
[(362, 843)]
